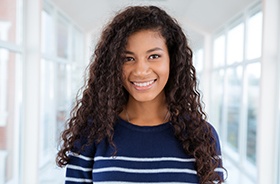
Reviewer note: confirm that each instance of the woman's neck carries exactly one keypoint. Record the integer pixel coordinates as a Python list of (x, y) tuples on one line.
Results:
[(149, 113)]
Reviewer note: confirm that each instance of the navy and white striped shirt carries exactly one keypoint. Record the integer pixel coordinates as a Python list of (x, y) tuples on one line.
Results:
[(145, 154)]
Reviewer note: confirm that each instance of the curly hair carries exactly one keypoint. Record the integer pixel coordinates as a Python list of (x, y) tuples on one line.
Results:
[(104, 96)]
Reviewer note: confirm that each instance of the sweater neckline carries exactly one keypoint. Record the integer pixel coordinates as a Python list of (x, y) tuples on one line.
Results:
[(153, 128)]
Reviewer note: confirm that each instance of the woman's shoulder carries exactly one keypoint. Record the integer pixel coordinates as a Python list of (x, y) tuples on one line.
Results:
[(215, 137), (213, 129), (83, 146)]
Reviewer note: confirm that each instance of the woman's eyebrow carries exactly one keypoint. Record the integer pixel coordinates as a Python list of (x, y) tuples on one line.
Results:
[(148, 51), (128, 52), (154, 49)]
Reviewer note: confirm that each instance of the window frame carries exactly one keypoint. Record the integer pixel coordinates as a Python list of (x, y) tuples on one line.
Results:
[(239, 158), (54, 59), (277, 157), (16, 48)]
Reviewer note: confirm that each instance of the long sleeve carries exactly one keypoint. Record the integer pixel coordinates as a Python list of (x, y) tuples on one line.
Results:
[(79, 168), (219, 169)]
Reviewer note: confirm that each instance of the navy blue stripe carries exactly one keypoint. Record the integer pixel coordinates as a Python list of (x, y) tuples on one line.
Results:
[(139, 177), (80, 162), (74, 173), (72, 182)]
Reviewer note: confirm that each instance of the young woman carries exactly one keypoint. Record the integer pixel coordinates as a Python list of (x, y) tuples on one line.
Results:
[(140, 119)]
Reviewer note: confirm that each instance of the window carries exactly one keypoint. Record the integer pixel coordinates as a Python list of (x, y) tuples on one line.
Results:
[(63, 94), (252, 82), (254, 35), (219, 51), (47, 34), (10, 89), (10, 99), (78, 45), (77, 67), (217, 99), (233, 105), (56, 102), (235, 44), (10, 21), (62, 31), (48, 118), (198, 60), (218, 81), (236, 85), (62, 52), (61, 66)]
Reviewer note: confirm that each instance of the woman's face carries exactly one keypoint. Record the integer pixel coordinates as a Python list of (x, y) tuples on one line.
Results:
[(146, 67)]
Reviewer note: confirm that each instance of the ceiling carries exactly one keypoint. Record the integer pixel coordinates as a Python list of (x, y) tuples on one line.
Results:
[(197, 17)]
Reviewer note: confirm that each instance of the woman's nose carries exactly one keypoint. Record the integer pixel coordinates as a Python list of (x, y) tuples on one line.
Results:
[(142, 67)]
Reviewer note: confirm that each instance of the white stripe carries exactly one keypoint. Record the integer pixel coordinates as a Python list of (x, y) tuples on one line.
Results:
[(124, 182), (135, 159), (81, 156), (80, 180), (69, 166), (219, 169), (165, 170), (218, 157)]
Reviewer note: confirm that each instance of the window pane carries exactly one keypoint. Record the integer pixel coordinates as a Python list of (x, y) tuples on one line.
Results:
[(10, 21), (234, 83), (56, 101), (48, 108), (198, 60), (253, 72), (10, 100), (62, 39), (78, 46), (47, 33), (217, 96), (219, 51), (235, 44), (63, 94), (254, 45)]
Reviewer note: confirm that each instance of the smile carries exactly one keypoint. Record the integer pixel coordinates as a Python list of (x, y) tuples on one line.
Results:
[(143, 84)]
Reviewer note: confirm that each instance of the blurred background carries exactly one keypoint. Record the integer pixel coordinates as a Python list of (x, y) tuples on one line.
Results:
[(45, 46)]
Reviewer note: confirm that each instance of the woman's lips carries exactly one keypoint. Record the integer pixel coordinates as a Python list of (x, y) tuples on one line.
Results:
[(143, 85)]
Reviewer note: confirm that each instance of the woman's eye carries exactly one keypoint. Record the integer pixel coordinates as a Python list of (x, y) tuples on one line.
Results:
[(127, 59), (154, 56)]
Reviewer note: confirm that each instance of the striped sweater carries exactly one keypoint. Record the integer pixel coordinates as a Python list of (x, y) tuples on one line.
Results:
[(144, 155)]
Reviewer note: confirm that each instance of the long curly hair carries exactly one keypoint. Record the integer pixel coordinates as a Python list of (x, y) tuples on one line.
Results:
[(104, 96)]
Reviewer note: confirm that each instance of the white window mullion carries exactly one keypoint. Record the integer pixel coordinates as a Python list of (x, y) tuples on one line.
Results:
[(31, 92), (207, 56), (266, 137), (244, 105), (243, 85), (18, 116), (278, 117), (224, 115), (3, 86)]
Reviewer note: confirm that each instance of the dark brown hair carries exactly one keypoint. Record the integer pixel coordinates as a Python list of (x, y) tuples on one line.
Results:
[(104, 96)]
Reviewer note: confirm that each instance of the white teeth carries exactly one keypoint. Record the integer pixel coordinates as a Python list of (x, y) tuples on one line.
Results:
[(143, 84)]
